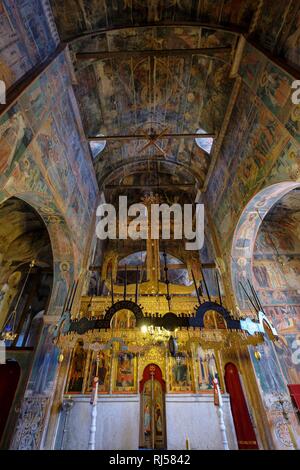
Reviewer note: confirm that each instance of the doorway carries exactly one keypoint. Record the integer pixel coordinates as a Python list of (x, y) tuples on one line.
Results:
[(242, 422), (152, 415)]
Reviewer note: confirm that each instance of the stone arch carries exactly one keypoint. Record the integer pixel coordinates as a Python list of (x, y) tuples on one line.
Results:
[(246, 232)]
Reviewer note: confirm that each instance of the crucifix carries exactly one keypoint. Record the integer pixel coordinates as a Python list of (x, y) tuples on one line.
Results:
[(152, 247)]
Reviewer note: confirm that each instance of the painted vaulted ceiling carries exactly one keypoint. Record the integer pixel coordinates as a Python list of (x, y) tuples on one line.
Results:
[(146, 68)]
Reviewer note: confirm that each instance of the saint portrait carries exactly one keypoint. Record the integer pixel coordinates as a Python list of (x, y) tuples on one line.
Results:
[(205, 369), (102, 372), (125, 372), (153, 415), (180, 373), (123, 319), (214, 321), (77, 369)]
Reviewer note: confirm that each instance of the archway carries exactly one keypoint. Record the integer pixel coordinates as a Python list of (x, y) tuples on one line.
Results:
[(266, 250), (66, 258), (243, 426), (26, 274), (276, 276), (9, 379), (152, 414), (246, 232)]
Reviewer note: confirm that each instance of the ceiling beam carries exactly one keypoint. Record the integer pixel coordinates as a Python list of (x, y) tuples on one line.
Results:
[(234, 29), (103, 55), (192, 135), (147, 186), (161, 25)]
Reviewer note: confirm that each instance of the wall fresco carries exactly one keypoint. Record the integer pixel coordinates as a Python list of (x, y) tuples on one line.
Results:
[(260, 146), (45, 162), (276, 269), (277, 31)]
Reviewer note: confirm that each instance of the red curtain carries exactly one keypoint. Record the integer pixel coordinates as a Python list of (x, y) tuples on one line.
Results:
[(243, 426), (295, 394), (9, 378)]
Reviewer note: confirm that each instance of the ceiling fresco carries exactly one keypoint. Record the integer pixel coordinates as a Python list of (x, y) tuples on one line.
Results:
[(139, 178), (273, 25), (79, 16), (139, 95), (149, 73), (280, 231)]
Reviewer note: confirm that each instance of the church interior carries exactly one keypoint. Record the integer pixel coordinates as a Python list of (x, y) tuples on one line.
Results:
[(129, 343)]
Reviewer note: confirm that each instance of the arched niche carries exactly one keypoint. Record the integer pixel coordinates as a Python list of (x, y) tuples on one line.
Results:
[(276, 278), (263, 252), (276, 254), (246, 233), (26, 274), (65, 259)]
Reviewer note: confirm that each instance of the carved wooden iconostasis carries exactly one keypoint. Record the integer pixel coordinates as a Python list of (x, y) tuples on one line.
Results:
[(120, 371), (125, 349), (162, 309)]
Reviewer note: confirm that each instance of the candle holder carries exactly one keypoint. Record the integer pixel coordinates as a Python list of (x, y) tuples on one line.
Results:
[(67, 405)]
